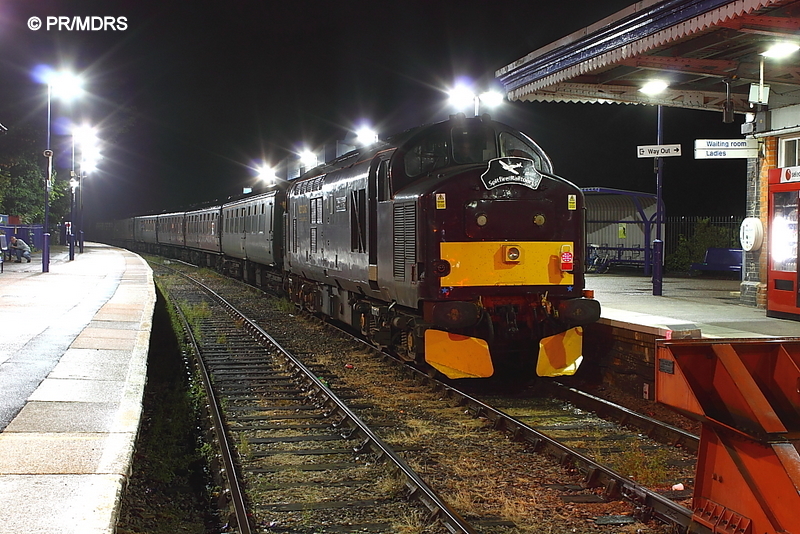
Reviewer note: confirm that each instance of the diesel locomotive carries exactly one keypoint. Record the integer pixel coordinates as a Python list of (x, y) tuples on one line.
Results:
[(452, 244)]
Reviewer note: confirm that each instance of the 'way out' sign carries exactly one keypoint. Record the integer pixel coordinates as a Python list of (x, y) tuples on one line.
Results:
[(658, 151), (725, 148)]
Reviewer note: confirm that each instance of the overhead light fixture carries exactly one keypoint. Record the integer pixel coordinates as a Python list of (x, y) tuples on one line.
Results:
[(491, 98), (781, 50), (308, 159), (654, 87), (366, 136), (267, 174)]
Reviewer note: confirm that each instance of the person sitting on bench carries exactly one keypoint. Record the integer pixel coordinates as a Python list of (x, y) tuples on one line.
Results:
[(21, 248)]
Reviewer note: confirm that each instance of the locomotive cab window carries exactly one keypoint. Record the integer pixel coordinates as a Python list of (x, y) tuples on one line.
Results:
[(429, 154), (473, 143), (513, 146)]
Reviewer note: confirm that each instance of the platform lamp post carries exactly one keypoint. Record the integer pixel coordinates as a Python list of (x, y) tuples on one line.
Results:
[(67, 86), (73, 185), (85, 137), (653, 88)]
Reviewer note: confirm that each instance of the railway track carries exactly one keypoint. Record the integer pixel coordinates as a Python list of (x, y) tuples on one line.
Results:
[(266, 413), (294, 438)]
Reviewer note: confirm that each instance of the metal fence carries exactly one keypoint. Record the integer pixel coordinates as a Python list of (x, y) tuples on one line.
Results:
[(687, 226)]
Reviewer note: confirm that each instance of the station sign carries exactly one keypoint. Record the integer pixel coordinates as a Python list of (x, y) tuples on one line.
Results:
[(725, 148), (790, 174), (658, 151)]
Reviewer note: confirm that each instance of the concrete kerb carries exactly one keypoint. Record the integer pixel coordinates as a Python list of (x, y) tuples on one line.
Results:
[(70, 477)]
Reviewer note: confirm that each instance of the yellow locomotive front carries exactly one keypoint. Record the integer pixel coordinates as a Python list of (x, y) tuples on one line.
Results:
[(502, 238)]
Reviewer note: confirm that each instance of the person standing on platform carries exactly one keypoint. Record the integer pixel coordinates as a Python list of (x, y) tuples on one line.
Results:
[(21, 248)]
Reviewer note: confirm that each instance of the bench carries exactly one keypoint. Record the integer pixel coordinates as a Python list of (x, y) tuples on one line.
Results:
[(720, 259)]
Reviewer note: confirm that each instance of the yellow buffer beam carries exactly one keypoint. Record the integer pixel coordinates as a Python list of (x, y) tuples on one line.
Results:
[(458, 356), (491, 263)]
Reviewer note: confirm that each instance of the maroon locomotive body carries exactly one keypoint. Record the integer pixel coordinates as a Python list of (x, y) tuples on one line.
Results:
[(452, 244)]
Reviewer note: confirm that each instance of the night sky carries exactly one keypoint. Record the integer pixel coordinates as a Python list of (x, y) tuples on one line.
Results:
[(192, 95)]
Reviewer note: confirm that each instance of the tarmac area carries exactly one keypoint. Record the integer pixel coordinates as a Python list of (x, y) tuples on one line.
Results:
[(709, 303), (73, 366)]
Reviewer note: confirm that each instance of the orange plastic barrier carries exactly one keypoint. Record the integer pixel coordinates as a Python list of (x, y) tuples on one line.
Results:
[(746, 392)]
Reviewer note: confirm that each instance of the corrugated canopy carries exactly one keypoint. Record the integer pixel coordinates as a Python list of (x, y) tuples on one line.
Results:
[(698, 46)]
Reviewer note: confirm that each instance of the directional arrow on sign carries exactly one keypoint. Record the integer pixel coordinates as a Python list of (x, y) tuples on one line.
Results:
[(658, 151)]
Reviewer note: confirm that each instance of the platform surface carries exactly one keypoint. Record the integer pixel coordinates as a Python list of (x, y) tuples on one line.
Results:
[(709, 304), (73, 366), (74, 359)]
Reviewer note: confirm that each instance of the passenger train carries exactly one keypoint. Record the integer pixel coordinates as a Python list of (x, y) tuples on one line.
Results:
[(452, 244)]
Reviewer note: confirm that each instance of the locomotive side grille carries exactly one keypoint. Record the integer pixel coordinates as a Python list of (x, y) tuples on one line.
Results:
[(405, 243), (314, 240)]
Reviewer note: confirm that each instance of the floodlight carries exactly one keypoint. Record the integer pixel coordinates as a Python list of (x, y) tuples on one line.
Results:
[(654, 87), (366, 136), (267, 174), (781, 50), (461, 97), (85, 136), (65, 85), (491, 98), (308, 159)]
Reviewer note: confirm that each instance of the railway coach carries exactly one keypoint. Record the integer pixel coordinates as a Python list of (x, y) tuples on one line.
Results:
[(452, 244)]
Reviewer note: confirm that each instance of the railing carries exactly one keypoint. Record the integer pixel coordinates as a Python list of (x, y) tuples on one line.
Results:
[(727, 226)]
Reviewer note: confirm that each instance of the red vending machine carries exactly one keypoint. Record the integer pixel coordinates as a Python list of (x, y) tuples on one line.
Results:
[(783, 291)]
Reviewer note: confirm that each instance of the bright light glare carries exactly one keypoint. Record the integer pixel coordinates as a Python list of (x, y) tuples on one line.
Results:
[(654, 87), (308, 159), (85, 136), (267, 174), (461, 97), (90, 159), (781, 50), (783, 242), (366, 136), (65, 85), (491, 98)]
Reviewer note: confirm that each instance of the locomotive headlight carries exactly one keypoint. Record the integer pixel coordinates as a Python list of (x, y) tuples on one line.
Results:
[(481, 219), (538, 219), (511, 253)]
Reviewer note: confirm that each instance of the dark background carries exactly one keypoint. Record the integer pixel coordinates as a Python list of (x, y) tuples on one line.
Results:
[(193, 95)]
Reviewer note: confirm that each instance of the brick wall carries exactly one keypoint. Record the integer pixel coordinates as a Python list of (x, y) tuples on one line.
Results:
[(754, 276)]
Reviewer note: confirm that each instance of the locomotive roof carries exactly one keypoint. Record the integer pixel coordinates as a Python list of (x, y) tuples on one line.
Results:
[(392, 142)]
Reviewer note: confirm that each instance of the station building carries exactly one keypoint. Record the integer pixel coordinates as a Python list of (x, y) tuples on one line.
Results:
[(714, 55)]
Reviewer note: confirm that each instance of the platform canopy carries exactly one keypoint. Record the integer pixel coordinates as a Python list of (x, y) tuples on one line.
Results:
[(708, 51)]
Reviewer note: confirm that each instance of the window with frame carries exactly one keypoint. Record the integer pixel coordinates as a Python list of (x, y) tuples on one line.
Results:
[(789, 152)]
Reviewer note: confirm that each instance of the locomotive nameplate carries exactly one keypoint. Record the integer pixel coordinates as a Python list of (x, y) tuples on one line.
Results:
[(504, 171)]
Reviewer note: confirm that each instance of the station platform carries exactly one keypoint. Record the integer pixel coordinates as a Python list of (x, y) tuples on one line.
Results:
[(73, 365), (697, 303)]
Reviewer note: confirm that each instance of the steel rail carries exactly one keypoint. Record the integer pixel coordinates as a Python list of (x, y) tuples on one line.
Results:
[(417, 487), (231, 472), (649, 503), (652, 427)]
